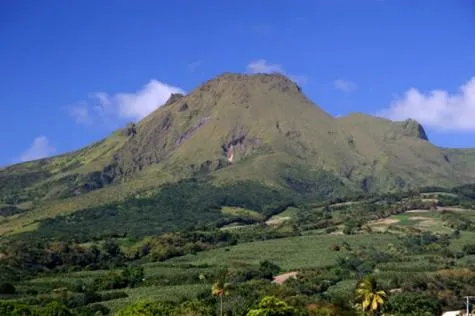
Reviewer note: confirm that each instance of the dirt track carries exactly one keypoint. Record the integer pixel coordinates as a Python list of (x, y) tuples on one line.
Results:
[(281, 278)]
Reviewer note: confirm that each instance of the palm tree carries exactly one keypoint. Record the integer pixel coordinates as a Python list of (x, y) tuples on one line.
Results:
[(369, 297), (219, 289)]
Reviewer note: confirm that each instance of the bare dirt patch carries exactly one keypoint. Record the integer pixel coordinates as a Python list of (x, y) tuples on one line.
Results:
[(420, 218), (385, 221), (277, 221), (281, 278), (454, 209), (418, 211), (427, 223), (382, 224)]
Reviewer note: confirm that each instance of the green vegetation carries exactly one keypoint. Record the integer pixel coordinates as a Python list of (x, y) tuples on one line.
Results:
[(289, 253), (240, 212), (216, 204), (203, 271), (182, 206), (297, 148)]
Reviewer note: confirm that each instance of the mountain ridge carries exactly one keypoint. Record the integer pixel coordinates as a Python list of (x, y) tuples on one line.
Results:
[(258, 127)]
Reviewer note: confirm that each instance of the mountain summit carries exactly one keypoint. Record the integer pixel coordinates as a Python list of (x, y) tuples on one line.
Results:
[(239, 127)]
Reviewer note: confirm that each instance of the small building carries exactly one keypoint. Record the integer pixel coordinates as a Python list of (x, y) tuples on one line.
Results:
[(454, 313)]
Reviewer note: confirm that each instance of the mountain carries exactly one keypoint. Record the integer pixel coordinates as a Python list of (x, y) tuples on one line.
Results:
[(233, 128)]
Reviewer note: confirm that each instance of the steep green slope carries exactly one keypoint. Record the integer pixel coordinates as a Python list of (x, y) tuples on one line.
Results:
[(233, 128), (61, 176), (463, 161), (399, 154)]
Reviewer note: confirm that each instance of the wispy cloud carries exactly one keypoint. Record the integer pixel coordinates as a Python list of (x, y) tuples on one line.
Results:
[(263, 66), (193, 66), (437, 109), (80, 113), (344, 85), (102, 106), (40, 148)]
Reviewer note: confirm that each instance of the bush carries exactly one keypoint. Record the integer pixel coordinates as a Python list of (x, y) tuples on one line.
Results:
[(95, 309), (148, 309), (268, 269), (412, 304), (270, 305), (112, 296), (56, 308), (7, 288), (131, 276), (469, 249), (335, 248), (14, 309)]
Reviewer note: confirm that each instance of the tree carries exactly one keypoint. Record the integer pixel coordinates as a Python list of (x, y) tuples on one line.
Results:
[(111, 247), (368, 296), (7, 308), (133, 275), (7, 288), (412, 304), (148, 309), (268, 269), (219, 288), (194, 308), (272, 306), (56, 308)]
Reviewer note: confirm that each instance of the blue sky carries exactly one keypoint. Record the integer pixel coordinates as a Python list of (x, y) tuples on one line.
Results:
[(73, 71)]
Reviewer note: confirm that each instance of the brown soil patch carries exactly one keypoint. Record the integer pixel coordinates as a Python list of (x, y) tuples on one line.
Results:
[(385, 221), (454, 209), (280, 279), (420, 218), (418, 211), (427, 223), (277, 221)]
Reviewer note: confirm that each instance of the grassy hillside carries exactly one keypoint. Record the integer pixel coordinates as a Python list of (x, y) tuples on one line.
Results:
[(232, 128)]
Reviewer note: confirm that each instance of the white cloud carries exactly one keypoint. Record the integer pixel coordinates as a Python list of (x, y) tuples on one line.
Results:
[(437, 109), (80, 113), (40, 148), (102, 106), (262, 66), (344, 85)]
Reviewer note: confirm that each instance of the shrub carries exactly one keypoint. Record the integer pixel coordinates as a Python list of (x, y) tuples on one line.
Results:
[(94, 309), (412, 304), (7, 288), (148, 309), (335, 248), (469, 249), (56, 308), (270, 305), (7, 308), (268, 269)]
